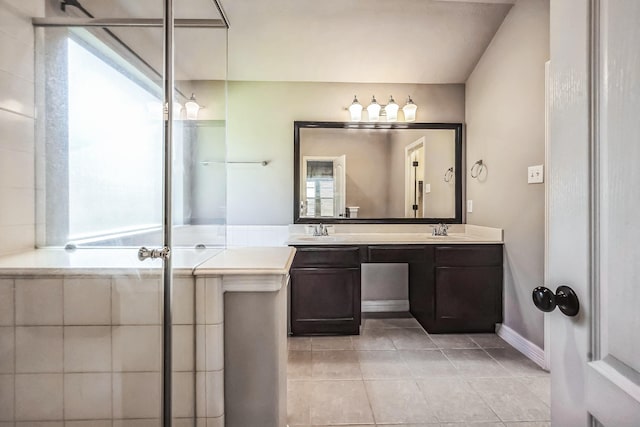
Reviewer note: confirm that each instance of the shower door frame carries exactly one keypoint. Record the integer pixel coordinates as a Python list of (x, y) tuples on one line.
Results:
[(168, 24)]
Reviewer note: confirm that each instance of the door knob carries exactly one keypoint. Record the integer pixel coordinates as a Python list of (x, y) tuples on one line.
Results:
[(564, 298)]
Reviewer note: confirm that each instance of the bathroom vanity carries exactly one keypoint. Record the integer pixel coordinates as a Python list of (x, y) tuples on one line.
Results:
[(455, 281)]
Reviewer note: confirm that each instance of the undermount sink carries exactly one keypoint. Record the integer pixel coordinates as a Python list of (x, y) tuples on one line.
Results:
[(318, 238)]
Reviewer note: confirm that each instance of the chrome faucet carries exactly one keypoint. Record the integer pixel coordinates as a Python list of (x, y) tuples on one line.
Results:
[(440, 230), (320, 230)]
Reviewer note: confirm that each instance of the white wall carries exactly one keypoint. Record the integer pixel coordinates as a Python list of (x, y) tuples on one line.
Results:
[(260, 127), (17, 176), (505, 128)]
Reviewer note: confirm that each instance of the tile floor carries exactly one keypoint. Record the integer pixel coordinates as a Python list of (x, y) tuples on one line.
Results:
[(395, 374)]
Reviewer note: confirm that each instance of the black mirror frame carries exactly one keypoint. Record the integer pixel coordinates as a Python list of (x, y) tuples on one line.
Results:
[(297, 125)]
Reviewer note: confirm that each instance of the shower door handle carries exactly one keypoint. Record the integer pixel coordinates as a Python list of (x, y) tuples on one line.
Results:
[(144, 253)]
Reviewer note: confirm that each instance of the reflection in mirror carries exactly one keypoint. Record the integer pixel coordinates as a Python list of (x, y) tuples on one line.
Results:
[(378, 172)]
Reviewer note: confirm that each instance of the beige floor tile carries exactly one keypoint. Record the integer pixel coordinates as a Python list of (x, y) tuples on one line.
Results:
[(298, 402), (516, 363), (398, 401), (299, 365), (453, 341), (340, 402), (408, 322), (528, 424), (510, 399), (411, 339), (382, 364), (496, 424), (299, 343), (475, 363), (373, 339), (540, 386), (335, 364), (454, 400), (488, 340), (428, 363), (331, 343)]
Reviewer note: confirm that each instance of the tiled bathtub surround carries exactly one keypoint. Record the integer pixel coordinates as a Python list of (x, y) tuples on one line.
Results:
[(89, 348)]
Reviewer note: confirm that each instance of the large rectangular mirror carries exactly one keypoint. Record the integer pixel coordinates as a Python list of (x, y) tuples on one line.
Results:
[(377, 172)]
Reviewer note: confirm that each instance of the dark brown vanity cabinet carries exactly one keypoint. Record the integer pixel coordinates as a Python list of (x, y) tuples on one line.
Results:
[(452, 288), (325, 291), (467, 288)]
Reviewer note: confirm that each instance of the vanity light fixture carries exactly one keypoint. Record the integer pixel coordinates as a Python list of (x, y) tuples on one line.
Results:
[(409, 110), (355, 109), (389, 111), (192, 108), (392, 110), (374, 110)]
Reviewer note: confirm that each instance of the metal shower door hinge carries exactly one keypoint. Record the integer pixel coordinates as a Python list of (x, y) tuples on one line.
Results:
[(144, 253)]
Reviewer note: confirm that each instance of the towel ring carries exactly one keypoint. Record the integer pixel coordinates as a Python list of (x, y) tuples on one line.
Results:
[(478, 167), (448, 175)]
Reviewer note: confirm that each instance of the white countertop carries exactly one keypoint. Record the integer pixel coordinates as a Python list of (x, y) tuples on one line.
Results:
[(396, 234), (249, 261), (58, 261)]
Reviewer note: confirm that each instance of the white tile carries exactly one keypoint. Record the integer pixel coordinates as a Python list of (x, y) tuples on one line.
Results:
[(150, 422), (183, 398), (18, 207), (17, 132), (6, 302), (136, 301), (87, 301), (40, 424), (39, 397), (214, 394), (183, 347), (214, 303), (136, 395), (38, 302), (201, 394), (137, 348), (183, 301), (91, 423), (7, 349), (16, 238), (87, 396), (201, 346), (17, 94), (14, 22), (215, 347), (215, 422), (200, 301), (87, 348), (17, 57), (6, 397), (38, 349)]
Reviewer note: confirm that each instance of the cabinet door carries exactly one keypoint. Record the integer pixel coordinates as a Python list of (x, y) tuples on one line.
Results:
[(325, 301), (468, 298)]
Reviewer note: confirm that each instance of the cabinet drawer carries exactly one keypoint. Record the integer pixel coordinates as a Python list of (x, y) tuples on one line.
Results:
[(327, 257), (400, 254), (468, 255)]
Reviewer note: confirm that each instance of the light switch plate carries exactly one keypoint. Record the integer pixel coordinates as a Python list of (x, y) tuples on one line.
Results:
[(535, 174), (469, 206), (427, 188)]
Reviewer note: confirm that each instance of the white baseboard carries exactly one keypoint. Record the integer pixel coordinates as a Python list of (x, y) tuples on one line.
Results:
[(385, 305), (524, 346)]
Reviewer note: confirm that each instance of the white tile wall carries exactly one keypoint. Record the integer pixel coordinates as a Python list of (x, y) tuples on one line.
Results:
[(6, 397), (6, 302), (87, 396), (257, 235), (38, 301), (38, 397), (136, 301), (38, 349), (87, 348), (136, 395), (137, 348), (17, 208), (87, 301), (7, 353)]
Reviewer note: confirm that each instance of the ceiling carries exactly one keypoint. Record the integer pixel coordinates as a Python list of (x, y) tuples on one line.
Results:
[(368, 41)]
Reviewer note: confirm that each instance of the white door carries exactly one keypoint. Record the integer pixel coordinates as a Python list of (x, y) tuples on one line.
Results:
[(340, 174), (594, 205)]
